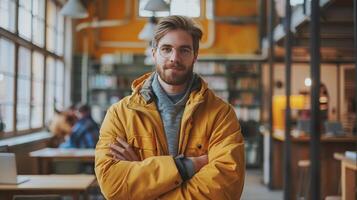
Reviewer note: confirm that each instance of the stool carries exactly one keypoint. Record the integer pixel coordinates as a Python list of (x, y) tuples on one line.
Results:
[(304, 182)]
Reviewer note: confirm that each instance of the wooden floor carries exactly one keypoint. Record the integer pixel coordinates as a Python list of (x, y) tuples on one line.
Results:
[(255, 190)]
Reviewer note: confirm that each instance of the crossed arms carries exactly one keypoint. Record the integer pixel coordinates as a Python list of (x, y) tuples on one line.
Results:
[(122, 176)]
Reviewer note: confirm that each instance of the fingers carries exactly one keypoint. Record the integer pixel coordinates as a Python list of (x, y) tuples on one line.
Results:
[(117, 157), (199, 162), (128, 149), (122, 151), (118, 152)]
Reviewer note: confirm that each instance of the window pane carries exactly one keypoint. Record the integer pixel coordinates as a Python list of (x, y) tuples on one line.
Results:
[(7, 14), (7, 114), (50, 27), (37, 90), (23, 89), (51, 13), (26, 4), (59, 44), (38, 23), (23, 105), (38, 7), (59, 85), (7, 56), (190, 8), (24, 25), (59, 36), (50, 88), (24, 63), (51, 39), (38, 31), (7, 61)]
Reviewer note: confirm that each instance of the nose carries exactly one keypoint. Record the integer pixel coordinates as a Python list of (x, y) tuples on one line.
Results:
[(174, 55)]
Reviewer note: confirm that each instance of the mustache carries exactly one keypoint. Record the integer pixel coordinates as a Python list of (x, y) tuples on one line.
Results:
[(176, 66)]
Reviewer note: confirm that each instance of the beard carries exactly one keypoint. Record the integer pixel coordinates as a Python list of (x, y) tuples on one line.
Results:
[(175, 74)]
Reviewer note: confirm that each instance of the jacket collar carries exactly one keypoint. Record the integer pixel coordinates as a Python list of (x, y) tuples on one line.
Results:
[(142, 90)]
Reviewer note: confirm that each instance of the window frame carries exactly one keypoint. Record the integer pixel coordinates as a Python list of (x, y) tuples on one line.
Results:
[(30, 44)]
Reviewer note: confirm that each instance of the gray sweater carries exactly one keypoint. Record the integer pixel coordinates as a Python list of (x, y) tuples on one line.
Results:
[(171, 108)]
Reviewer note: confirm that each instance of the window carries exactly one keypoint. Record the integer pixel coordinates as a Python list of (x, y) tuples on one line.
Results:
[(7, 73), (190, 8), (33, 86), (7, 14)]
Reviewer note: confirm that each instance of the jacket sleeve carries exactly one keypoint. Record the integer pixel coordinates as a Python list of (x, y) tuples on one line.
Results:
[(223, 176), (147, 179)]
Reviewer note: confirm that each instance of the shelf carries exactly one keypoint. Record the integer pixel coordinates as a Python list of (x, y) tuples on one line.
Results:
[(131, 74), (112, 89), (244, 90), (247, 105)]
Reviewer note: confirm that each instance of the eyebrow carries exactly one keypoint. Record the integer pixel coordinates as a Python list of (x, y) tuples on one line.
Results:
[(183, 46)]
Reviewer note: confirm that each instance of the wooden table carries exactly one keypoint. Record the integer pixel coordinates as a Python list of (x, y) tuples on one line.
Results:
[(47, 155), (74, 185), (348, 176), (300, 150)]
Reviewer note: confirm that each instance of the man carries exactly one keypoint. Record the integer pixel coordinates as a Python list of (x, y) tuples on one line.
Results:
[(85, 132), (172, 138)]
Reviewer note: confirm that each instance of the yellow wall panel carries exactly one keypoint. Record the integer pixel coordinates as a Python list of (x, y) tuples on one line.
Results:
[(236, 8), (229, 38)]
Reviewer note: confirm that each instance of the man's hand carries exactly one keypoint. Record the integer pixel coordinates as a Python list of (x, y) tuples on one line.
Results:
[(199, 162), (120, 150)]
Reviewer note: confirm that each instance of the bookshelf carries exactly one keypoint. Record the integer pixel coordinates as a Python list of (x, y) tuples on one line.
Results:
[(110, 82), (239, 83)]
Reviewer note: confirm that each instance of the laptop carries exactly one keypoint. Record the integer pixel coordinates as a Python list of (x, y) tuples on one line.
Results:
[(334, 128), (303, 125), (8, 172)]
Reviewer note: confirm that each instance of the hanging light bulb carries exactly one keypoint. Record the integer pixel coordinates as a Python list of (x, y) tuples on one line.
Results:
[(74, 9), (157, 5)]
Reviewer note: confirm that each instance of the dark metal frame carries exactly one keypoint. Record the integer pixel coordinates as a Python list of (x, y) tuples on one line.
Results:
[(315, 105), (271, 86), (355, 54), (287, 143)]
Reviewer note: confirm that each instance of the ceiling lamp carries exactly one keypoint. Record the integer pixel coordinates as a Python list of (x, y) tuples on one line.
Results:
[(147, 33), (157, 5), (74, 9)]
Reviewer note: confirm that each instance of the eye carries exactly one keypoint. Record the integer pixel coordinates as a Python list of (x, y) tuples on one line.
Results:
[(165, 49), (185, 51)]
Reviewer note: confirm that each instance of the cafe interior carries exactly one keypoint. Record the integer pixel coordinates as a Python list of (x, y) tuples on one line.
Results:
[(287, 68)]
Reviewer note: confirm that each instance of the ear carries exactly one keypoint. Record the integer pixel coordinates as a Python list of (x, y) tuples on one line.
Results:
[(153, 54), (195, 57)]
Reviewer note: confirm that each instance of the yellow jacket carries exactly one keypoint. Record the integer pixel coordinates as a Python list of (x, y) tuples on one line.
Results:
[(208, 126)]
